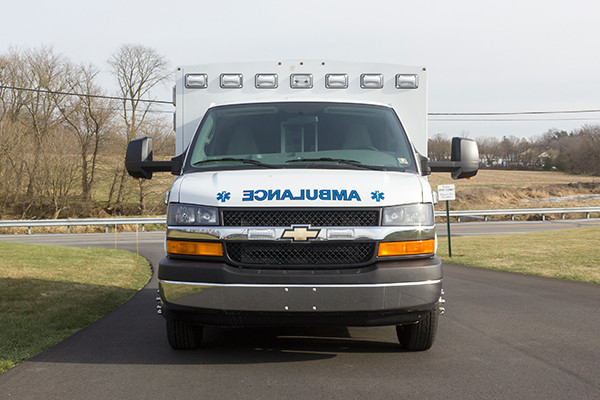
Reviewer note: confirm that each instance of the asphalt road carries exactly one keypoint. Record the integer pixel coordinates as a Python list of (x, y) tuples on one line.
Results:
[(503, 336)]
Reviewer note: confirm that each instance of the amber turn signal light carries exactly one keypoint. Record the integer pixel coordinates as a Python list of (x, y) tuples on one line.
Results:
[(194, 248), (406, 248)]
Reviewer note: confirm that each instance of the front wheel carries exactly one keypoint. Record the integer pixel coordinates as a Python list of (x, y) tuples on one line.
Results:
[(419, 336), (183, 335)]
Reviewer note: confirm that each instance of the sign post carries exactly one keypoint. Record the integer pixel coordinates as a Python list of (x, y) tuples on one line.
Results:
[(447, 193)]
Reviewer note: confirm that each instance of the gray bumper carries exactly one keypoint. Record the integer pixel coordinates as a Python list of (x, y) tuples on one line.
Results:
[(338, 298)]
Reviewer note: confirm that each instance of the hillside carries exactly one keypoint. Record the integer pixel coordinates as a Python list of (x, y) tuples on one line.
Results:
[(521, 189)]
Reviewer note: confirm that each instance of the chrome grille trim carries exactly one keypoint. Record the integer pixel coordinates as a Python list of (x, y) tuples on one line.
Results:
[(223, 233)]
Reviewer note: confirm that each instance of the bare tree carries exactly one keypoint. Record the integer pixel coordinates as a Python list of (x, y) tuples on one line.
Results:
[(44, 76), (583, 151), (89, 118), (138, 70), (489, 150), (439, 147), (57, 172)]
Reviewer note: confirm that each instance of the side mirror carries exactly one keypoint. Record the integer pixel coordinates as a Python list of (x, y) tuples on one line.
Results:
[(424, 163), (139, 164), (464, 161)]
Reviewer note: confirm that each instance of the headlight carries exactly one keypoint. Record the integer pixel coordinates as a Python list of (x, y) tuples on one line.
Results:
[(410, 215), (185, 214)]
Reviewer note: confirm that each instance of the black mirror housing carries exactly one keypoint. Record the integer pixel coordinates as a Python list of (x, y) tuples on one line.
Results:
[(424, 163), (139, 163), (464, 161)]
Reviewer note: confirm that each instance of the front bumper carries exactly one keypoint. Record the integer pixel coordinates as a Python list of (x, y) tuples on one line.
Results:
[(383, 293)]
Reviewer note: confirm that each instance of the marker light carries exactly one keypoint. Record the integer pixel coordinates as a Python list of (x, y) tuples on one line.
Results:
[(194, 248), (371, 81), (301, 81), (336, 81), (196, 81), (231, 81), (407, 81), (410, 248), (265, 81)]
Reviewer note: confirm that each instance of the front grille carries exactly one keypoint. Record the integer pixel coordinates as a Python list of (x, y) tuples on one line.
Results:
[(273, 254), (313, 217)]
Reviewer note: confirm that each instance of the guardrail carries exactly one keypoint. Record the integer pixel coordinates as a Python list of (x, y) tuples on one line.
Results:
[(82, 222), (527, 211), (107, 222)]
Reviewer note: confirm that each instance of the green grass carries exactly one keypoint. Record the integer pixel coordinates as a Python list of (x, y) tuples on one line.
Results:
[(48, 292), (571, 254)]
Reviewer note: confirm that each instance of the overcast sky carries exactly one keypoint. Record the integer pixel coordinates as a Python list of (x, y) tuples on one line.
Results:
[(481, 56)]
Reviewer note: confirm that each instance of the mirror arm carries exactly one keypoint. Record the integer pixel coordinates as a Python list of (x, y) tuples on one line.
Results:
[(444, 166)]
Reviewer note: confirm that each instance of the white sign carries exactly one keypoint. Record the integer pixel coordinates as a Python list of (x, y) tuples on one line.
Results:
[(446, 192)]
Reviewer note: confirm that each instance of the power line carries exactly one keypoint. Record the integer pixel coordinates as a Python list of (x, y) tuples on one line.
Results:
[(116, 109), (509, 119), (493, 114), (95, 96)]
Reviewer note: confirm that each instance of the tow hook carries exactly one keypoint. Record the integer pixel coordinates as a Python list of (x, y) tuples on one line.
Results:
[(441, 303)]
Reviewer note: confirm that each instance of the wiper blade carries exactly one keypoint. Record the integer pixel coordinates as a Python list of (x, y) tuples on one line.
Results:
[(354, 163), (242, 160)]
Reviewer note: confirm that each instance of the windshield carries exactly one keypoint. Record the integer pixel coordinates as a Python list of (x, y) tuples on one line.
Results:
[(301, 135)]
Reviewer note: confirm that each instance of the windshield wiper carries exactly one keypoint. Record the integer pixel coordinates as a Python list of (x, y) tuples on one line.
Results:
[(354, 163), (242, 160)]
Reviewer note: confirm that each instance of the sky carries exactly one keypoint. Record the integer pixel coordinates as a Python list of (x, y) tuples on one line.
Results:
[(481, 56)]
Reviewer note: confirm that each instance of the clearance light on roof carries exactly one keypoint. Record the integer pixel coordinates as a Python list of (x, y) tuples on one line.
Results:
[(371, 81), (265, 81), (231, 81), (301, 81), (336, 81), (196, 81), (407, 81)]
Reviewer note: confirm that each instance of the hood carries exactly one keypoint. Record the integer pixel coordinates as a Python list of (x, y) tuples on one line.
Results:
[(300, 188)]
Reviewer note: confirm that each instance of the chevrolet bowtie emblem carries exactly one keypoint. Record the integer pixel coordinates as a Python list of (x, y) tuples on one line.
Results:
[(300, 233)]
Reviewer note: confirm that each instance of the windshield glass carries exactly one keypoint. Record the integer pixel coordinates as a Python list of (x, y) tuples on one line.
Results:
[(301, 135)]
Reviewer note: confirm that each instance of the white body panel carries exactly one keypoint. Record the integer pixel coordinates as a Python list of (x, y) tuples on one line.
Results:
[(409, 104), (301, 188)]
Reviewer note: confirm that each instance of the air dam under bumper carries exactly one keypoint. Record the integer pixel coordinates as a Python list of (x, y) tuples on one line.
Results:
[(384, 288)]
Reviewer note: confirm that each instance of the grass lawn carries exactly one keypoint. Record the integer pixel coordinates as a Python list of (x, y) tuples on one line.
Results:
[(571, 254), (48, 292)]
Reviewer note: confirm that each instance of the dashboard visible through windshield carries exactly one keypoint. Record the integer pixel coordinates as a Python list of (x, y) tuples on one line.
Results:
[(301, 135)]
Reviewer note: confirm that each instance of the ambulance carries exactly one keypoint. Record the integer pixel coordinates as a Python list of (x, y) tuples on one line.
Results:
[(301, 199)]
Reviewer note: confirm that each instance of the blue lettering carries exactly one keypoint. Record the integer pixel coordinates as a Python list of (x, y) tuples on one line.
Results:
[(354, 196), (248, 195), (274, 194), (340, 195), (301, 197), (325, 194), (313, 196), (303, 194), (260, 198)]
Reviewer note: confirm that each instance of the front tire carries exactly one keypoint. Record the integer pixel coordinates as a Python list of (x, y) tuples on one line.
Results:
[(419, 336), (183, 335)]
